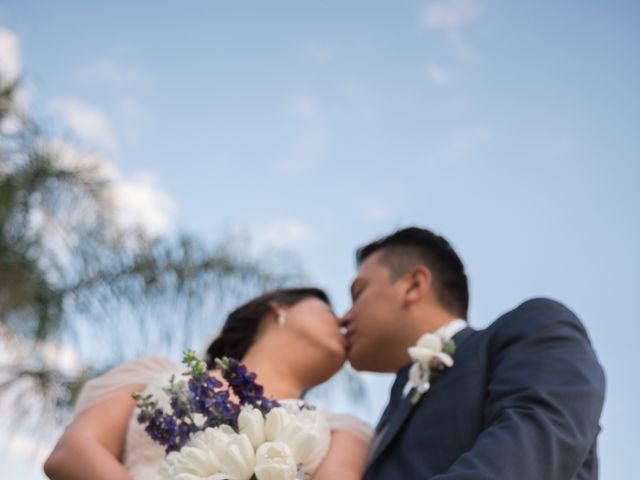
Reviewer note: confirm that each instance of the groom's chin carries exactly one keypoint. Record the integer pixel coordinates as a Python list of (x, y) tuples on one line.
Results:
[(372, 362), (357, 367), (357, 362), (364, 367)]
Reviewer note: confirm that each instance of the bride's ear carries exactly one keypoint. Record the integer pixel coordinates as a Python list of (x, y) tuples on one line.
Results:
[(279, 313), (274, 307), (418, 285)]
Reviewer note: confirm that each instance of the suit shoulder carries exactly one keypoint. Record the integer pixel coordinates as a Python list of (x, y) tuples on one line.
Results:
[(534, 315)]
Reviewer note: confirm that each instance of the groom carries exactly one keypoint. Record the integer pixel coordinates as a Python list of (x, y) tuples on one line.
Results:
[(518, 400)]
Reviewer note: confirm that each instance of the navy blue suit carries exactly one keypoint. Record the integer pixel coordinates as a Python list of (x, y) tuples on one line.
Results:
[(522, 401)]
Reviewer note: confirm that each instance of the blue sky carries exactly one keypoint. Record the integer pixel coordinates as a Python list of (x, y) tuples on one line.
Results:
[(509, 127)]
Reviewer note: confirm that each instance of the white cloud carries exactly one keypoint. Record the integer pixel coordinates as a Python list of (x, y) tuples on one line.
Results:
[(451, 14), (10, 64), (283, 234), (89, 123), (110, 73), (450, 17), (68, 156), (438, 75), (467, 141), (141, 203)]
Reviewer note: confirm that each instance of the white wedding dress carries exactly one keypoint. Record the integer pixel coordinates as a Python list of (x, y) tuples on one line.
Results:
[(142, 457)]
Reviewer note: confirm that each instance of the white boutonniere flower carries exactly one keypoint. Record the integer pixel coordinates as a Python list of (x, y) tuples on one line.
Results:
[(431, 355)]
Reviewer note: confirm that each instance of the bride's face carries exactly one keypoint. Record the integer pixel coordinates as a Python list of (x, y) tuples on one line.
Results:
[(315, 324)]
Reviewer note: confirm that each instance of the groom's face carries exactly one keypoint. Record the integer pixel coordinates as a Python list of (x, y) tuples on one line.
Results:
[(372, 319)]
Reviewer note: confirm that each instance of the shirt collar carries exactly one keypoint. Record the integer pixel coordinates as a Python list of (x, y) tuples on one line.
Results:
[(447, 331)]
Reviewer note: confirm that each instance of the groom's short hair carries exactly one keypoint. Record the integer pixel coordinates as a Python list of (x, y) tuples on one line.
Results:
[(406, 248)]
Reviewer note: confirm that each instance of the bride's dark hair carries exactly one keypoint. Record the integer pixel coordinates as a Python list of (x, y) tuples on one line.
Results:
[(242, 325)]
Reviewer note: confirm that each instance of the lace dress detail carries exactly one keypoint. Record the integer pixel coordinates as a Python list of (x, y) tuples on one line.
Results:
[(142, 456)]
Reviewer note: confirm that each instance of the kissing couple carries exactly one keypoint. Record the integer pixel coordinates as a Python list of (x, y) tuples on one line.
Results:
[(520, 399)]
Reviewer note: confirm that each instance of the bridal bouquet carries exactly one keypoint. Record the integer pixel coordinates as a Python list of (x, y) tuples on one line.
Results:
[(209, 436)]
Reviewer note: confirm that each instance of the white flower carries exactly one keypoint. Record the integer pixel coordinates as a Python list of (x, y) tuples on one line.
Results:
[(305, 431), (428, 358), (189, 460), (419, 377), (275, 461), (430, 341), (275, 421), (240, 459), (429, 346), (213, 454), (251, 423)]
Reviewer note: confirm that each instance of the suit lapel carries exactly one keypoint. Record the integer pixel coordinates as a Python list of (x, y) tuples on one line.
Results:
[(394, 397), (388, 430), (393, 418)]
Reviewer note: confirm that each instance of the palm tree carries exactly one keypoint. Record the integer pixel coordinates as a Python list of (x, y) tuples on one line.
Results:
[(80, 291)]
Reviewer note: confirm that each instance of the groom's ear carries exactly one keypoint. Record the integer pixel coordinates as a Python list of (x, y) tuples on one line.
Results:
[(418, 284)]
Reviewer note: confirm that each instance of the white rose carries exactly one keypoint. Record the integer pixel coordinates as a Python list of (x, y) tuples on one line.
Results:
[(275, 461), (251, 423), (275, 421)]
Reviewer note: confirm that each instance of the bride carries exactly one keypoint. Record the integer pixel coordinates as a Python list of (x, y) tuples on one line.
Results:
[(290, 338)]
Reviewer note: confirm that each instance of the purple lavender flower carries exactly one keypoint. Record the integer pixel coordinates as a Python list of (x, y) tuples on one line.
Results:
[(224, 411), (243, 384), (202, 395), (165, 430)]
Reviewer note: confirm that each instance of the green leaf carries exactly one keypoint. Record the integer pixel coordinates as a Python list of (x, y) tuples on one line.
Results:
[(449, 347)]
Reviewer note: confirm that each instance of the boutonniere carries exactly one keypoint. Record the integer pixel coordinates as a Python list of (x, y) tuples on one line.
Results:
[(431, 356)]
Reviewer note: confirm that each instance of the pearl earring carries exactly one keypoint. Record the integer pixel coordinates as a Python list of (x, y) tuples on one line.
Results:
[(282, 319)]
